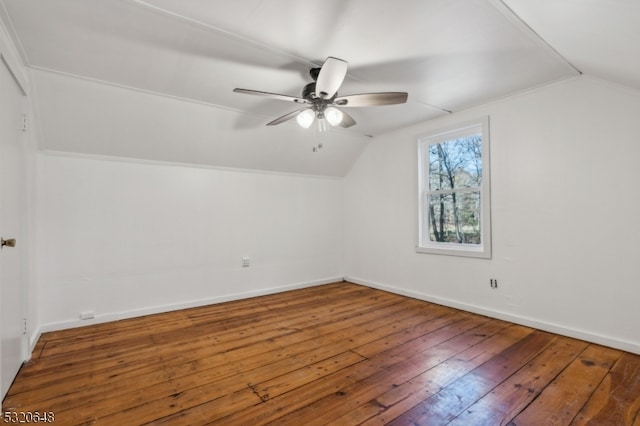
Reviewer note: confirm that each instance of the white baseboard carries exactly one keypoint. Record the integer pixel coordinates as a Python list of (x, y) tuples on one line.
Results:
[(33, 340), (116, 316), (30, 343), (588, 336)]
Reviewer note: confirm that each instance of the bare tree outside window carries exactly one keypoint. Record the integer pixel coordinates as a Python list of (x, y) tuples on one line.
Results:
[(453, 165)]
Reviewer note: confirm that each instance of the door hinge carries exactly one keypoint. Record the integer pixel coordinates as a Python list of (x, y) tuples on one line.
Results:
[(24, 328), (24, 122)]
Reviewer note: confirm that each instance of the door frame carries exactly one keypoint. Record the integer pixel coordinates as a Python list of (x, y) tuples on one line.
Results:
[(23, 245)]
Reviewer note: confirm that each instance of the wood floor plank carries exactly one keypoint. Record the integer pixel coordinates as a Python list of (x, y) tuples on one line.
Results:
[(206, 360), (223, 393), (442, 407), (348, 399), (325, 384), (405, 396), (559, 402), (222, 322), (224, 314), (108, 361), (511, 396), (617, 398), (337, 354), (275, 408), (226, 360)]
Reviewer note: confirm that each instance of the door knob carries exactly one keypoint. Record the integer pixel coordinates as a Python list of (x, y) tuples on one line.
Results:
[(11, 242)]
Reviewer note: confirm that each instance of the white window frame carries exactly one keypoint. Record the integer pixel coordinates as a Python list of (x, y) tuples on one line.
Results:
[(424, 244)]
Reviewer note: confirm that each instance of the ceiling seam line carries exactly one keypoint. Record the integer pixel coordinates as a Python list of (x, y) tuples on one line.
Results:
[(135, 89), (11, 31), (513, 16), (151, 162)]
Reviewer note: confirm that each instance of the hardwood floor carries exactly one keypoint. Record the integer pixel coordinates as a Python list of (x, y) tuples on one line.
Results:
[(338, 354)]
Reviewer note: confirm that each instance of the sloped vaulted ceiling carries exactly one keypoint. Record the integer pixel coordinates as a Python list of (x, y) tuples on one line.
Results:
[(599, 37), (153, 79)]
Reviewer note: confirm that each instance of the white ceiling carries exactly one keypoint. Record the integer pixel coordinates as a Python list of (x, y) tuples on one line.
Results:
[(599, 37), (185, 57)]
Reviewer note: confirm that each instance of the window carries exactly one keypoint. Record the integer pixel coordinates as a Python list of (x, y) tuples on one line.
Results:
[(453, 185)]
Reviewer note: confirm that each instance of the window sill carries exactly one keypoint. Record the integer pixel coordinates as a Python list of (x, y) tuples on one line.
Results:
[(456, 250)]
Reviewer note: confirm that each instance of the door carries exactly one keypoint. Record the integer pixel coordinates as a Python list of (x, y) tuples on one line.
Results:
[(11, 227)]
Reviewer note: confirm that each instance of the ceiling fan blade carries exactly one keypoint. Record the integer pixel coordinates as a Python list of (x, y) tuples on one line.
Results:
[(347, 120), (286, 117), (272, 95), (372, 99), (330, 78)]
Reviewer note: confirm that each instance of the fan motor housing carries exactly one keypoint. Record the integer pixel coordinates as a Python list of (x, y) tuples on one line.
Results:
[(309, 91), (318, 104)]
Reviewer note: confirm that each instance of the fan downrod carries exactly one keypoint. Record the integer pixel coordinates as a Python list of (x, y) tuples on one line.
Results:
[(314, 73)]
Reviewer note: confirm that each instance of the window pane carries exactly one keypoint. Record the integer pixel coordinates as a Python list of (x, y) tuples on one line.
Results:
[(454, 218), (456, 163)]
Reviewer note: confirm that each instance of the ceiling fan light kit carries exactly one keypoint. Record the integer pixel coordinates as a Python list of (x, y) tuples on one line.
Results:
[(321, 98), (333, 115), (305, 118)]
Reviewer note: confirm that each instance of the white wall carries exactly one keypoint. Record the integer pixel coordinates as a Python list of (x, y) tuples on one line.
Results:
[(126, 238), (565, 176)]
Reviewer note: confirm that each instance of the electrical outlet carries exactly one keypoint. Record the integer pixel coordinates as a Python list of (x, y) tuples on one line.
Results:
[(246, 262), (493, 282), (86, 315)]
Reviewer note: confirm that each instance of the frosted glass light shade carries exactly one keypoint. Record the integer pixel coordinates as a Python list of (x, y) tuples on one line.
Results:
[(305, 118), (333, 115)]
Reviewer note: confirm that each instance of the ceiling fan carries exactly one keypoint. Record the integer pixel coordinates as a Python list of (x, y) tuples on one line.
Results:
[(321, 98)]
